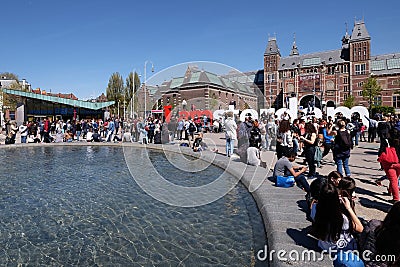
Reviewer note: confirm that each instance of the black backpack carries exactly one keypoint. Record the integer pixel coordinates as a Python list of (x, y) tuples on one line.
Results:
[(343, 140), (192, 127)]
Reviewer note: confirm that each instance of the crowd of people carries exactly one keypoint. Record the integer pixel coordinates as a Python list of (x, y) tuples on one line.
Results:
[(150, 130), (330, 197)]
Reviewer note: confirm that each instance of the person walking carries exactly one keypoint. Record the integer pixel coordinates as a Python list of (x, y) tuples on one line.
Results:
[(373, 124), (342, 147), (23, 129), (230, 133), (310, 143)]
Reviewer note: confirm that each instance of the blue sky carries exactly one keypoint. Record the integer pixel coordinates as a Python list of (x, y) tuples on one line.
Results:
[(76, 45)]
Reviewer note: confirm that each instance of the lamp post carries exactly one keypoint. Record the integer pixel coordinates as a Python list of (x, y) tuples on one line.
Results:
[(144, 85), (314, 88), (270, 90), (133, 95)]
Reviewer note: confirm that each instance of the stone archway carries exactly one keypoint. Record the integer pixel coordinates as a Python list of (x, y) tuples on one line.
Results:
[(330, 103), (307, 98)]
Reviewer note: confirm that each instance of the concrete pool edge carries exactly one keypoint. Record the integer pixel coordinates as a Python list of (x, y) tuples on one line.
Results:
[(284, 220)]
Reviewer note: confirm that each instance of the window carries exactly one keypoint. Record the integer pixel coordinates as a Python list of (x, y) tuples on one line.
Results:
[(345, 88), (360, 69), (359, 93), (345, 80), (378, 101), (360, 84), (396, 101), (345, 96)]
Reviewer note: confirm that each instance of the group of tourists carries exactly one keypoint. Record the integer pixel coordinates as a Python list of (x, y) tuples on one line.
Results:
[(350, 240), (150, 130), (331, 198)]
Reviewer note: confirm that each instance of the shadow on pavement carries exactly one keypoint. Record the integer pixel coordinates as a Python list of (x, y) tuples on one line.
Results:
[(302, 238), (374, 204)]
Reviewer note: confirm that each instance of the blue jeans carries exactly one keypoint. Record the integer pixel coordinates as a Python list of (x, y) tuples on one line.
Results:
[(78, 134), (301, 182), (343, 162), (23, 139), (295, 145), (347, 258), (230, 143), (356, 138)]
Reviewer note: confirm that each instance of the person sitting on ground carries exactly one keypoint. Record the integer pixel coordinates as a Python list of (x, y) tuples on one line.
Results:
[(89, 136), (335, 222), (127, 137), (381, 239), (198, 144), (96, 136), (59, 137), (68, 137), (345, 185), (284, 167)]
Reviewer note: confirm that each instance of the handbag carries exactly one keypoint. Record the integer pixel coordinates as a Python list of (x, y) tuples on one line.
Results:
[(284, 181), (389, 156)]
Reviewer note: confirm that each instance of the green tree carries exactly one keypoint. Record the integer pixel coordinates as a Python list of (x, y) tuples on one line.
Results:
[(115, 90), (349, 102), (10, 101), (132, 85), (371, 89)]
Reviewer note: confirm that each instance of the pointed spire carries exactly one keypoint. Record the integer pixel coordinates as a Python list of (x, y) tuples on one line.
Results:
[(272, 47), (346, 37), (359, 32), (294, 51)]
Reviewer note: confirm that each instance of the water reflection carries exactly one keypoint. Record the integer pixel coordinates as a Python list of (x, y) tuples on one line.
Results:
[(79, 206)]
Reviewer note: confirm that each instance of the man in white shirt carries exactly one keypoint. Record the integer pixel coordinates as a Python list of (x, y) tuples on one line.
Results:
[(23, 129), (253, 156)]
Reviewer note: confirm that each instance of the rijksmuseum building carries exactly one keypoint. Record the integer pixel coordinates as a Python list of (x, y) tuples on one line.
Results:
[(327, 77), (331, 76)]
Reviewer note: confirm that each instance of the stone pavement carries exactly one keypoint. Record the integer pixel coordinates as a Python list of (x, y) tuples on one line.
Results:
[(371, 200)]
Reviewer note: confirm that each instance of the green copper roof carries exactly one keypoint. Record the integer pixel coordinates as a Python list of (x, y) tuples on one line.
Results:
[(65, 101)]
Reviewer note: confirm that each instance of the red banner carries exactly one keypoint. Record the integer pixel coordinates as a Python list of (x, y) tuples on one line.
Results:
[(308, 82)]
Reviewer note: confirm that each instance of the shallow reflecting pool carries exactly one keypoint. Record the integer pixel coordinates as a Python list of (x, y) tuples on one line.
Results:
[(80, 206)]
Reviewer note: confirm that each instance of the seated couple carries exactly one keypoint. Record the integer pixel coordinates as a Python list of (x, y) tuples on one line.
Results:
[(284, 167)]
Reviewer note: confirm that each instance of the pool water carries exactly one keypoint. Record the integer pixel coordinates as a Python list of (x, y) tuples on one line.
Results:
[(80, 206)]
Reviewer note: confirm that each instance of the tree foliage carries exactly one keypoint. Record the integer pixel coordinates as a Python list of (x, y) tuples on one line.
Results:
[(349, 102), (10, 101), (115, 88), (371, 89), (132, 87), (383, 110)]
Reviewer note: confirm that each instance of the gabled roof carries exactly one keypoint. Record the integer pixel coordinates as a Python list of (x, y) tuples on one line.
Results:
[(65, 101), (235, 83), (309, 60)]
